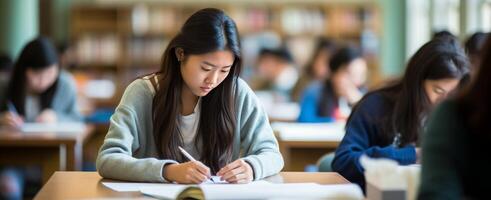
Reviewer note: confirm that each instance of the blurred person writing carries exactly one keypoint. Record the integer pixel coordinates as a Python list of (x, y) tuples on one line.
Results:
[(38, 91), (317, 68), (276, 72), (332, 99)]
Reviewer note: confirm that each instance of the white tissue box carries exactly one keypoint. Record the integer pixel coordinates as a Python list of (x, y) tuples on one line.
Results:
[(375, 193), (386, 179)]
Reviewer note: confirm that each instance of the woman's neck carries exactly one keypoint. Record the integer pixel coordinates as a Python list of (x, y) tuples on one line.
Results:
[(188, 100)]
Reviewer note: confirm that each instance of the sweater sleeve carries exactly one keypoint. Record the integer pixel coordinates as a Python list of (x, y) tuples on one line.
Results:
[(362, 137), (440, 179), (258, 143), (115, 159), (309, 105), (65, 105)]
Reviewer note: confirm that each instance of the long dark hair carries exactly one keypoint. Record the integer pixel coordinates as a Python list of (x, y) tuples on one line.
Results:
[(338, 61), (323, 44), (473, 48), (37, 55), (205, 31), (474, 101), (407, 103)]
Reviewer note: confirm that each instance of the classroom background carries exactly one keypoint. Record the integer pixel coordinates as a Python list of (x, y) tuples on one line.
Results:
[(106, 44)]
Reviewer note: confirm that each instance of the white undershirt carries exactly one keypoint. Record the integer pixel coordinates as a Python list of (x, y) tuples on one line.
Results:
[(188, 127), (32, 107)]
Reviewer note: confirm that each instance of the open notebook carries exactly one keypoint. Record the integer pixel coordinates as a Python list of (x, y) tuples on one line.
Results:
[(254, 190)]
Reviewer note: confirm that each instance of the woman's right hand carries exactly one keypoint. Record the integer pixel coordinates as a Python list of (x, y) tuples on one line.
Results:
[(11, 119), (187, 173), (346, 88)]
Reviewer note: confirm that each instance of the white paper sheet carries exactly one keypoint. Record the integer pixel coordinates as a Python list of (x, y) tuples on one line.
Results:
[(215, 180), (132, 186), (135, 186), (309, 131), (65, 127)]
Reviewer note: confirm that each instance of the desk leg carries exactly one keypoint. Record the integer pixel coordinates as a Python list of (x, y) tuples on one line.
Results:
[(286, 153), (50, 164), (74, 157), (47, 158)]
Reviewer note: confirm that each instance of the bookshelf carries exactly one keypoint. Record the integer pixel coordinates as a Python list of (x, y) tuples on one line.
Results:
[(121, 41)]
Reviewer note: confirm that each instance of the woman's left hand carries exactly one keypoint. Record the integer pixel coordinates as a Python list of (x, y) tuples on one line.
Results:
[(238, 171), (47, 116)]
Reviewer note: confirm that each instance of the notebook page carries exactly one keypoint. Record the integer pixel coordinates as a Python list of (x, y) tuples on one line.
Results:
[(163, 191), (214, 180), (291, 191), (130, 186)]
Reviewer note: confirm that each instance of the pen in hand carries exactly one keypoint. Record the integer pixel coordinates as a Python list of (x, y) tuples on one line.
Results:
[(14, 114), (188, 156)]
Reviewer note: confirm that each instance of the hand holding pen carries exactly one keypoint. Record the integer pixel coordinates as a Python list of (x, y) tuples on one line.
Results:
[(11, 118), (189, 172)]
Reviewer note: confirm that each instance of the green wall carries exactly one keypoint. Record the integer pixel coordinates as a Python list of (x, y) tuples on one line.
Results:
[(19, 24), (393, 41)]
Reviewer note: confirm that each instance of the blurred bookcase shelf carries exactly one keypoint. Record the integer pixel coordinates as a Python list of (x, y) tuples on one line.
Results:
[(95, 67), (126, 39)]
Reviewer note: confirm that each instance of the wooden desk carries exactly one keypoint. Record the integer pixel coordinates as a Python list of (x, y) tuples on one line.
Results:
[(85, 185), (52, 151), (298, 154), (304, 143)]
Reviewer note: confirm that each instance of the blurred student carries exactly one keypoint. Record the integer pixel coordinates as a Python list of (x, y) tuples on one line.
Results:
[(473, 48), (455, 160), (276, 72), (332, 99), (444, 34), (387, 122), (67, 56), (317, 68), (38, 90), (196, 101)]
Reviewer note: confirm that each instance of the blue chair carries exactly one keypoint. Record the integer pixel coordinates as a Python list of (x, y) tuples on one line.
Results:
[(324, 163)]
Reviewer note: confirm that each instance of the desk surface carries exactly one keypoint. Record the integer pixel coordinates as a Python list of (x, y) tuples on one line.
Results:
[(11, 137), (77, 185), (305, 143), (53, 151)]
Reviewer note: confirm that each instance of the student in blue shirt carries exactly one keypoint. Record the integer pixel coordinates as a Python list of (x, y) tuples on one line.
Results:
[(332, 99), (196, 101), (317, 69), (387, 122)]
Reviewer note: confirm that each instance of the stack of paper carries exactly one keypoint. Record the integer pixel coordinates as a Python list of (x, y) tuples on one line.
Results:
[(309, 131)]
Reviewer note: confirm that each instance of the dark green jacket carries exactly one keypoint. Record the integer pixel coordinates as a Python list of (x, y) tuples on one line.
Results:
[(456, 161)]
